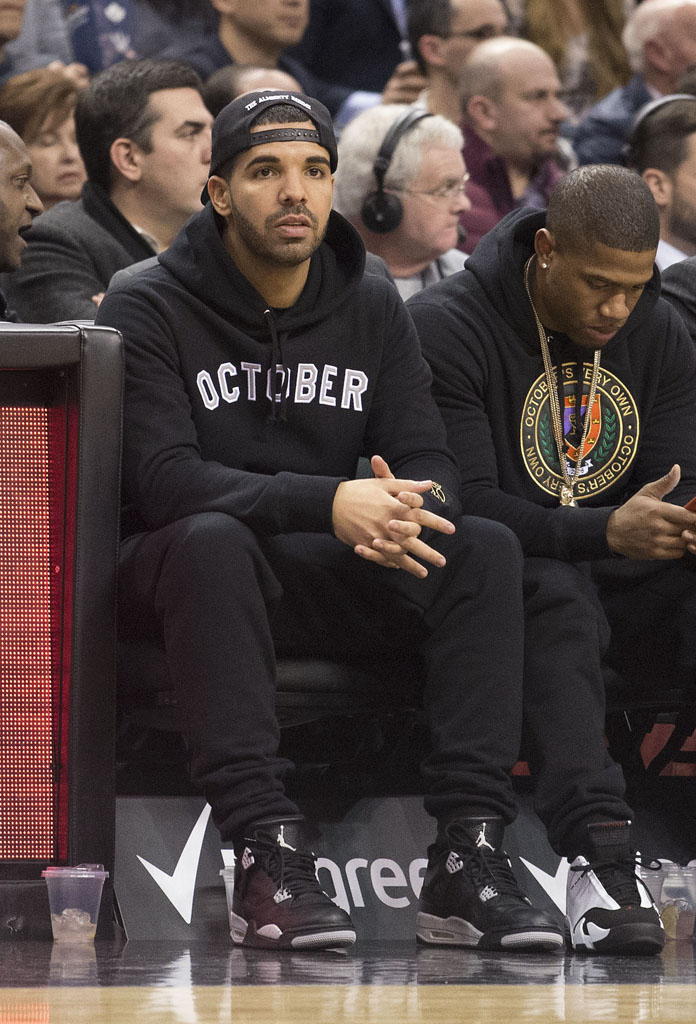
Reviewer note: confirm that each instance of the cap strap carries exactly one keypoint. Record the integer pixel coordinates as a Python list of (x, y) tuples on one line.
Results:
[(285, 135)]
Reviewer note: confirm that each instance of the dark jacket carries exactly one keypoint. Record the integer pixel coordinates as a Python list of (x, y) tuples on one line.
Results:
[(602, 134), (479, 336), (207, 54), (74, 249), (679, 288), (354, 42), (201, 432)]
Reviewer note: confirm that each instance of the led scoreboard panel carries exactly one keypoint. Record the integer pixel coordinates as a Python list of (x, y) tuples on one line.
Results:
[(60, 430)]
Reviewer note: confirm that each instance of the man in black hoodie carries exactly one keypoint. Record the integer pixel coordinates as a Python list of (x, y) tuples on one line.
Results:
[(578, 471), (261, 364)]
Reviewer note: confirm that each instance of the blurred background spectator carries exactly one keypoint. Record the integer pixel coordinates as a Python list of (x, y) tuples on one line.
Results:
[(229, 82), (40, 106), (660, 40), (408, 214), (662, 149), (583, 38), (510, 94), (442, 34)]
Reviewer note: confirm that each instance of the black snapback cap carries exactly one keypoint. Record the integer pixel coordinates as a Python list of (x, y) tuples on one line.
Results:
[(232, 132)]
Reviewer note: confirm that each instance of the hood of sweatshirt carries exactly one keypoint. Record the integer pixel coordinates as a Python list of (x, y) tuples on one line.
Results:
[(498, 262), (199, 260)]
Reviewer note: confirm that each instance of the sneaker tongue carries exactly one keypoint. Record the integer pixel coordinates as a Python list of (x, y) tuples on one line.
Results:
[(283, 831), (484, 833), (610, 840)]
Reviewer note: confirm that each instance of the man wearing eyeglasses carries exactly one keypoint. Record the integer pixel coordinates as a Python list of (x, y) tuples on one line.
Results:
[(423, 193), (442, 35)]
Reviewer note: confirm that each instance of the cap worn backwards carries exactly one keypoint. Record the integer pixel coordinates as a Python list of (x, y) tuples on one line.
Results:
[(232, 132)]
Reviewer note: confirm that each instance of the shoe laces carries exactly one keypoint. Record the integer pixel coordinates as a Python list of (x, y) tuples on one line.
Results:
[(486, 866), (618, 876), (289, 869)]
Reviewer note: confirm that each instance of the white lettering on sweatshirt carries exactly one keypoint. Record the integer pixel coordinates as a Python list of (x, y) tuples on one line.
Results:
[(311, 384)]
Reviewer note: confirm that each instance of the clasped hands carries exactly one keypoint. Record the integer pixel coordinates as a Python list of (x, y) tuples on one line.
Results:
[(381, 518)]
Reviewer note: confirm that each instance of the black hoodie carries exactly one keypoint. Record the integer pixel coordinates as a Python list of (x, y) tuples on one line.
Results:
[(200, 430), (478, 333)]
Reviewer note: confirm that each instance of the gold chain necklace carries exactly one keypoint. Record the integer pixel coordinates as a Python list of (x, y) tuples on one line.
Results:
[(569, 478)]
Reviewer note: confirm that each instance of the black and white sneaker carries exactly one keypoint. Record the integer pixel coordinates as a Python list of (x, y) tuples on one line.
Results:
[(278, 902), (609, 908), (471, 898)]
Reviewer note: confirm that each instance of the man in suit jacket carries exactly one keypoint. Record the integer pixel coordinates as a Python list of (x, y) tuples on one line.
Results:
[(679, 288), (144, 134)]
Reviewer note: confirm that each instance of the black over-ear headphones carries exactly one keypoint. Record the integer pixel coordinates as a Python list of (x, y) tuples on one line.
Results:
[(381, 211), (630, 149)]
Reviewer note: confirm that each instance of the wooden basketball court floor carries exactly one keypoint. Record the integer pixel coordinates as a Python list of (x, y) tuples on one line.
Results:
[(371, 983)]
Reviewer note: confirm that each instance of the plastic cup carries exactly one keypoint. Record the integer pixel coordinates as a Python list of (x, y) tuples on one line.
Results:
[(74, 895)]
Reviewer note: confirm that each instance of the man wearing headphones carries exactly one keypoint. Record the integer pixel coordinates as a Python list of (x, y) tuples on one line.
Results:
[(401, 183), (261, 363), (662, 149)]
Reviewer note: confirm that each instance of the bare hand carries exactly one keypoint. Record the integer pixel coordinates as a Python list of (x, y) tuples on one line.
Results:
[(381, 519), (79, 73), (96, 299), (405, 85), (647, 527)]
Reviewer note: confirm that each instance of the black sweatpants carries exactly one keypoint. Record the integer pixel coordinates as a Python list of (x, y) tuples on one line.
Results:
[(639, 617), (223, 596)]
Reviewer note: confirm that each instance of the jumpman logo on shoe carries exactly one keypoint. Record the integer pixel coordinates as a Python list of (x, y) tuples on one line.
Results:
[(280, 839), (481, 840)]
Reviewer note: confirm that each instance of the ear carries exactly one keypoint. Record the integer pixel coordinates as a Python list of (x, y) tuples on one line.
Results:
[(125, 156), (430, 49), (224, 6), (219, 192), (656, 55), (482, 112), (660, 185), (544, 246)]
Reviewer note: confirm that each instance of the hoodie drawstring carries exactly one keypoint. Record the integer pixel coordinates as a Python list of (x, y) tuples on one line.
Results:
[(277, 364)]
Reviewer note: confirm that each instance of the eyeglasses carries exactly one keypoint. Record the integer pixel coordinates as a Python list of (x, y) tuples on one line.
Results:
[(455, 188)]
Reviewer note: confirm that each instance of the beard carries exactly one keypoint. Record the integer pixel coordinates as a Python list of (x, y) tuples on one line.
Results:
[(287, 252), (682, 221)]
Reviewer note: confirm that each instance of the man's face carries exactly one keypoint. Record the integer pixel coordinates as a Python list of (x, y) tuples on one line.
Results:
[(280, 197), (431, 206), (473, 21), (676, 39), (176, 169), (11, 17), (529, 112), (681, 216), (281, 22), (589, 294), (19, 202)]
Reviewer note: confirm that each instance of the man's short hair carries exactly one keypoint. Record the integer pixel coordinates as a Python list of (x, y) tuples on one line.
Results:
[(603, 203), (661, 139), (426, 18), (116, 104), (360, 142)]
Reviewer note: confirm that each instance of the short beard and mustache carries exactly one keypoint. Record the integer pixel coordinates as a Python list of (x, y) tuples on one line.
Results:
[(287, 252)]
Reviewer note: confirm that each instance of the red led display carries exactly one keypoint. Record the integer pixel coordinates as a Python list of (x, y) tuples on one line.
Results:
[(31, 719)]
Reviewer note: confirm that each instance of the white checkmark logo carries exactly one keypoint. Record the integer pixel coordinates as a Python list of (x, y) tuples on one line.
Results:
[(554, 885), (180, 886)]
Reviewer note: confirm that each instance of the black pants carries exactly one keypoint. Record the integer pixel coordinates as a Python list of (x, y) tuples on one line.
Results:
[(224, 597), (639, 617)]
